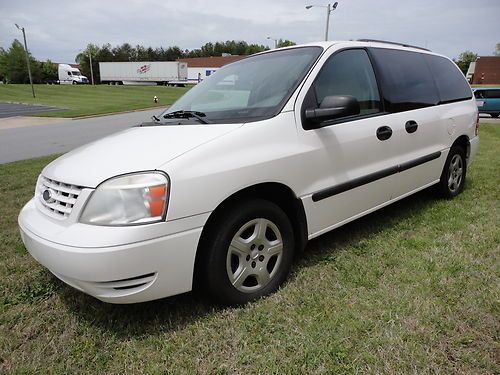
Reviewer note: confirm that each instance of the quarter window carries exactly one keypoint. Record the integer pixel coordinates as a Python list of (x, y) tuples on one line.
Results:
[(349, 73), (450, 82), (407, 82)]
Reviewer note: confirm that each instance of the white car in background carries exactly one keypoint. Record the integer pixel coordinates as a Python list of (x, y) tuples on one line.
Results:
[(231, 181)]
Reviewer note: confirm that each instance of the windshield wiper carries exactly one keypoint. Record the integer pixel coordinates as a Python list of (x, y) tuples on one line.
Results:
[(188, 114)]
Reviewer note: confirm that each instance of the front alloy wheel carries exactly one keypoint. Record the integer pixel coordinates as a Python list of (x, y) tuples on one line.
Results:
[(247, 252), (254, 255)]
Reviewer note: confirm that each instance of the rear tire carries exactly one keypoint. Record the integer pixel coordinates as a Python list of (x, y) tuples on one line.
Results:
[(454, 172), (494, 115), (249, 253)]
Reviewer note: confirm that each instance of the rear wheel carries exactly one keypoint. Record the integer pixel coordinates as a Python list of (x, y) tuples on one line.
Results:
[(453, 176), (250, 253), (494, 115)]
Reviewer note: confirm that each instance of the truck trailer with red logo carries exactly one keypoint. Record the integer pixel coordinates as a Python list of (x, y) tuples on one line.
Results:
[(143, 72)]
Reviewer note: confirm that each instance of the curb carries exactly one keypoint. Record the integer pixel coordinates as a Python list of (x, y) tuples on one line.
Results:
[(113, 113)]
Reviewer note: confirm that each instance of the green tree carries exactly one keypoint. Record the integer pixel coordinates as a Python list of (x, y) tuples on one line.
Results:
[(83, 59), (285, 43), (13, 66), (48, 71), (464, 60)]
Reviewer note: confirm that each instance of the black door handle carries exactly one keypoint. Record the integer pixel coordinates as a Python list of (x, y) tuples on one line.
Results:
[(411, 126), (384, 132)]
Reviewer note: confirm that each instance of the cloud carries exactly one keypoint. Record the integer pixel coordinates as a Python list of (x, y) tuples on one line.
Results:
[(57, 31)]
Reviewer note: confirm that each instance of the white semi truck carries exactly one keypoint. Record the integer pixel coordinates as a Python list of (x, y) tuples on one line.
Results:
[(144, 72), (71, 76)]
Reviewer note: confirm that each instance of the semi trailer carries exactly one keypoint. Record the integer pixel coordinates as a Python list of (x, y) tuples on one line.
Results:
[(143, 72)]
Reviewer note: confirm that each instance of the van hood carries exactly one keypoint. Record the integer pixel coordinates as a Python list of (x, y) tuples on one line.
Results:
[(133, 150)]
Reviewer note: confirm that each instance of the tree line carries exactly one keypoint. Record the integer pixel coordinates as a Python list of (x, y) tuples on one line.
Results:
[(13, 66)]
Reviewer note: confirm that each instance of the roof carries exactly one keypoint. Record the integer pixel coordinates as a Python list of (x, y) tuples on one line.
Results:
[(211, 61)]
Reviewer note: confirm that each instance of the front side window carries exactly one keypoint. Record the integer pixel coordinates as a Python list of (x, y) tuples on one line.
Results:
[(251, 89), (349, 73), (406, 80)]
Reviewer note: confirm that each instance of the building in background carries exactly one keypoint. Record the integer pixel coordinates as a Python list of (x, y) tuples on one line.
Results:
[(487, 71), (202, 67)]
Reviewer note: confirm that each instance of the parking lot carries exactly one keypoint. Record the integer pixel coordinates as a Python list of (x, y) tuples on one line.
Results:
[(14, 109)]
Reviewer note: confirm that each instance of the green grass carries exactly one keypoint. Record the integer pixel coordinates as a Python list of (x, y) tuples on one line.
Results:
[(84, 100), (410, 289)]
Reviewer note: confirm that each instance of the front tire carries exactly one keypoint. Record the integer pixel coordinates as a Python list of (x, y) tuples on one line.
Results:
[(453, 176), (494, 115), (249, 254)]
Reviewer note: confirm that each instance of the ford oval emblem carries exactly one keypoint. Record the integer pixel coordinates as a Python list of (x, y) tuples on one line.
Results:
[(47, 195)]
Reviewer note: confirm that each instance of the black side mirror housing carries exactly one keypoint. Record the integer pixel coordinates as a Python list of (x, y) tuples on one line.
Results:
[(331, 107)]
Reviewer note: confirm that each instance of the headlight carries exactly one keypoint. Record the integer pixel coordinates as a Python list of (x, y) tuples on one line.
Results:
[(128, 200)]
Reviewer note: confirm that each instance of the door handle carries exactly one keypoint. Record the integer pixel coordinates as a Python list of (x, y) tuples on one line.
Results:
[(411, 126), (384, 133)]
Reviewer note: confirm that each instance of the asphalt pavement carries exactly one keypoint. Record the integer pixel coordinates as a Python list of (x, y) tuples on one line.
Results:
[(29, 137), (13, 109)]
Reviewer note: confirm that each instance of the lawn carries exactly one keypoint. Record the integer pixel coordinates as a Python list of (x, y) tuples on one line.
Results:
[(410, 289), (83, 100)]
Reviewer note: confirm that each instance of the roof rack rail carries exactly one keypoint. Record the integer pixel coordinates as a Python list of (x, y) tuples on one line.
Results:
[(395, 43)]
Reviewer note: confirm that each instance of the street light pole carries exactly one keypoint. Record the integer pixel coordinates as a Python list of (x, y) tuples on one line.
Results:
[(275, 42), (91, 69), (27, 58), (329, 9)]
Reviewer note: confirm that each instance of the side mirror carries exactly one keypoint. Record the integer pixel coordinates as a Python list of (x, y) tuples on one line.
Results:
[(331, 107)]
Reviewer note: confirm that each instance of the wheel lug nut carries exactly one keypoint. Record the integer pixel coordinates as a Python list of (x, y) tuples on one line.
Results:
[(248, 258), (261, 258), (252, 247), (261, 247), (253, 264)]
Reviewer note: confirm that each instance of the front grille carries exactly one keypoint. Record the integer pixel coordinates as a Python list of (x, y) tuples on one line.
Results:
[(61, 197)]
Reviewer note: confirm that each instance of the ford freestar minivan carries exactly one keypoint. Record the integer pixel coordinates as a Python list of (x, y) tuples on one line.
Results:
[(230, 182)]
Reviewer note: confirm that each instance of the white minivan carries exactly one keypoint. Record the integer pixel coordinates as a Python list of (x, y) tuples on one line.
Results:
[(224, 187)]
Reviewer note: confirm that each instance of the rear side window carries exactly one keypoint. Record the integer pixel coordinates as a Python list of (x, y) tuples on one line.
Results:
[(492, 94), (406, 80), (450, 82)]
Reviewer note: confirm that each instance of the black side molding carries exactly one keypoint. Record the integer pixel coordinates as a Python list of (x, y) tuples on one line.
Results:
[(363, 180)]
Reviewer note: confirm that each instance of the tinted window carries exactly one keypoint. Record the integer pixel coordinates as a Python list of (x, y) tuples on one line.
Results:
[(479, 94), (450, 82), (349, 73), (406, 80), (492, 94)]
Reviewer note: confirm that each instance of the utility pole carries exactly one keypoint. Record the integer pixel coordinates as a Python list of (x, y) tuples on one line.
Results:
[(91, 69), (27, 58)]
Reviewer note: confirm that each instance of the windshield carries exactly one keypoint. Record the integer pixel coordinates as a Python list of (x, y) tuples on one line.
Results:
[(251, 89)]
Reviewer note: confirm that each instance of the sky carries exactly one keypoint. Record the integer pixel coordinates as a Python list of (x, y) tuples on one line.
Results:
[(58, 30)]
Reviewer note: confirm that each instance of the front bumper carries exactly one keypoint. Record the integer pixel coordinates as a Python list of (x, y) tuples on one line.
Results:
[(138, 271)]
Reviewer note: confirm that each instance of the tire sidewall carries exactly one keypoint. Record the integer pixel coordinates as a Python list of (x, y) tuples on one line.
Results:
[(226, 227), (455, 150)]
